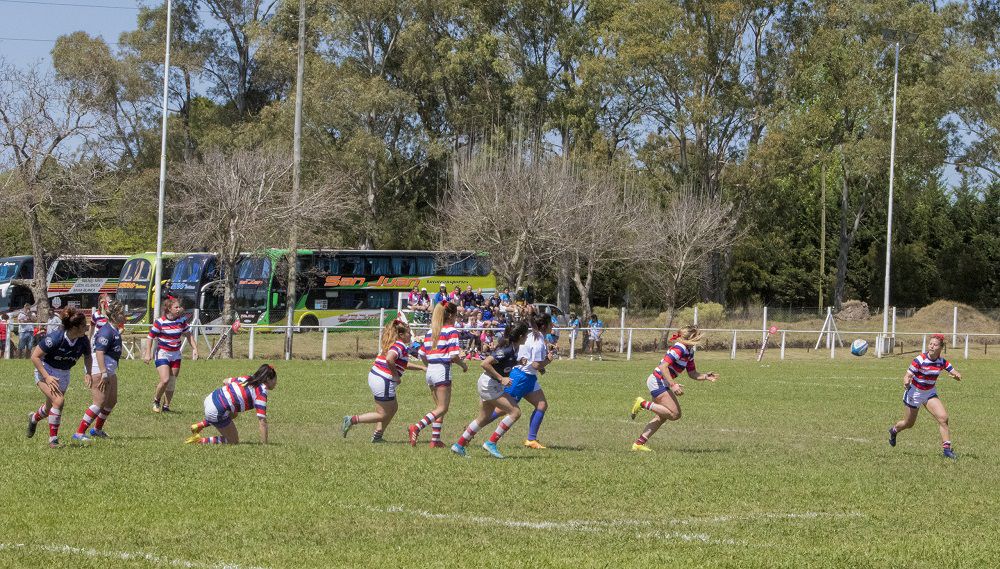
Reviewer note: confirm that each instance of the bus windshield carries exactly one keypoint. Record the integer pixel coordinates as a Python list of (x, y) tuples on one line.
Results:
[(8, 270), (253, 277)]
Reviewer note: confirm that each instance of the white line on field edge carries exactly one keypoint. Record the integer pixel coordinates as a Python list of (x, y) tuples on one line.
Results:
[(123, 555)]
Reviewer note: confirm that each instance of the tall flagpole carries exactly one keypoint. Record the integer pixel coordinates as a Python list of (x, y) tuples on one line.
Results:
[(157, 276), (888, 225)]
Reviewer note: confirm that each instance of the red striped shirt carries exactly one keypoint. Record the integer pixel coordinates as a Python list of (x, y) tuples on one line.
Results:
[(447, 346), (381, 366), (678, 358), (926, 371)]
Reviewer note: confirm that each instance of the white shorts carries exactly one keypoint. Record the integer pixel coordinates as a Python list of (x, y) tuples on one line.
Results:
[(914, 397), (110, 364), (61, 374), (438, 374), (215, 416), (656, 386), (383, 389), (488, 388)]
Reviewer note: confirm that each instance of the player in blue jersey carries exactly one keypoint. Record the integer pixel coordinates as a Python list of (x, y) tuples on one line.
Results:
[(54, 357), (496, 375), (107, 343)]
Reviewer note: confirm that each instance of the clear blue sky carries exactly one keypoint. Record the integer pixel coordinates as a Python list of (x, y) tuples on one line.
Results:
[(47, 22)]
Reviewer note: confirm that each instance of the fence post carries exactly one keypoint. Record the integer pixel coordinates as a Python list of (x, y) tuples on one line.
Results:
[(732, 352), (381, 323), (833, 348), (829, 330), (621, 333), (629, 357), (326, 332), (253, 328), (6, 345), (966, 346), (892, 345), (763, 328), (954, 326), (572, 345), (782, 345), (923, 346), (696, 315)]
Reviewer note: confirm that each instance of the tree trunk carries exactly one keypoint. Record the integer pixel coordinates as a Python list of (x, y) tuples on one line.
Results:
[(583, 288), (39, 287), (848, 230), (228, 291), (562, 286)]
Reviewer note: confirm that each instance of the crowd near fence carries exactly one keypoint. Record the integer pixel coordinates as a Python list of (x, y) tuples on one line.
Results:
[(622, 342)]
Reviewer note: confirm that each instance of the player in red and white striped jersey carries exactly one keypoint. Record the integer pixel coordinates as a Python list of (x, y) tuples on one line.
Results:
[(237, 394), (385, 375), (166, 336), (920, 382), (663, 388), (440, 350)]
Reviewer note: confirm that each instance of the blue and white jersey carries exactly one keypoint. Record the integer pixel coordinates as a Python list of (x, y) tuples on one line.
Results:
[(60, 352), (108, 340)]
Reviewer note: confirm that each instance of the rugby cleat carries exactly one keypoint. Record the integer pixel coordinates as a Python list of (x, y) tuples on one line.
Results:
[(99, 433), (414, 433), (346, 426), (54, 443), (491, 448), (437, 444), (636, 407), (892, 437), (636, 447), (459, 450), (156, 407), (377, 438), (81, 439), (31, 425), (948, 453), (166, 408), (534, 444), (192, 440)]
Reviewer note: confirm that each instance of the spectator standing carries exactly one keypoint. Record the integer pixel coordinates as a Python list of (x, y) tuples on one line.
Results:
[(574, 325), (595, 327), (24, 332), (4, 319)]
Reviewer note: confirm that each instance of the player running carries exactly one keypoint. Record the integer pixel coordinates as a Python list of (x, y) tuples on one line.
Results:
[(496, 375), (54, 357), (385, 375), (440, 350), (166, 336), (663, 388), (236, 395), (920, 382), (107, 343)]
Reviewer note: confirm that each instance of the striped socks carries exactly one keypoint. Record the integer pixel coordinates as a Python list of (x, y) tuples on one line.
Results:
[(469, 433), (436, 430), (39, 415), (101, 417), (212, 440), (55, 417), (88, 417), (647, 405), (427, 420), (502, 429)]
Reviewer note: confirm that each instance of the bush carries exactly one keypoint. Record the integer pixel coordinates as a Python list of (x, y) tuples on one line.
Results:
[(709, 315)]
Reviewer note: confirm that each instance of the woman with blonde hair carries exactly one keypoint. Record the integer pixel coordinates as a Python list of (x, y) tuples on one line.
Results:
[(440, 350), (107, 344), (385, 375), (663, 389), (166, 336)]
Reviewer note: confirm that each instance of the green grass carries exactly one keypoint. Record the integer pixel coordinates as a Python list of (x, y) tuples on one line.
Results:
[(780, 465)]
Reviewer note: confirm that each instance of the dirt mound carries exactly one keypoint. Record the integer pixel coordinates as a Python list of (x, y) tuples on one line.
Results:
[(853, 311), (937, 317)]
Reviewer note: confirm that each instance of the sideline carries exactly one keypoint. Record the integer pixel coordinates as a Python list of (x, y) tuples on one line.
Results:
[(122, 555)]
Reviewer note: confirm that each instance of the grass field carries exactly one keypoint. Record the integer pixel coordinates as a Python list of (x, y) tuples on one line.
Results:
[(777, 465)]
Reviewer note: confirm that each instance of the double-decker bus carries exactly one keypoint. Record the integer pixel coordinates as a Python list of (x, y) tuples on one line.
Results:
[(195, 281), (79, 280), (350, 287), (13, 297), (135, 285)]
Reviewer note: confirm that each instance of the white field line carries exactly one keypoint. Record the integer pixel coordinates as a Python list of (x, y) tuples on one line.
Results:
[(607, 526), (793, 436), (123, 555)]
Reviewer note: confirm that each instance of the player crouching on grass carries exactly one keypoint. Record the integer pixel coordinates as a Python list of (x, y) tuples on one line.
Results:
[(385, 375), (662, 387), (236, 395), (54, 357), (920, 382), (104, 379)]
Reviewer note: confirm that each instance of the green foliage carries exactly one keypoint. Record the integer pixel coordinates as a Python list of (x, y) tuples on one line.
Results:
[(709, 314)]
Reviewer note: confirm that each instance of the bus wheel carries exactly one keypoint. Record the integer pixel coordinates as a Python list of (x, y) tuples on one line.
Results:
[(309, 320)]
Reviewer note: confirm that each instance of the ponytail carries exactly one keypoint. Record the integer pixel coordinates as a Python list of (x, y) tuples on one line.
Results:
[(513, 334), (264, 374), (392, 332), (444, 310)]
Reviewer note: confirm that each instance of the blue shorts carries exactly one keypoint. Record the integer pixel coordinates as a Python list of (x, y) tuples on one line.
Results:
[(521, 384)]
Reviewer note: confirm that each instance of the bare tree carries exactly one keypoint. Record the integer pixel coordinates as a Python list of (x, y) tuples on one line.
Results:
[(42, 124), (680, 239), (506, 204), (240, 202)]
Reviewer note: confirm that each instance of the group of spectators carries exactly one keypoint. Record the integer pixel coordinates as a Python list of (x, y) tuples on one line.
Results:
[(25, 330)]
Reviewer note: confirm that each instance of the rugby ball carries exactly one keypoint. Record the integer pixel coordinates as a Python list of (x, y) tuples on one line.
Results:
[(859, 347)]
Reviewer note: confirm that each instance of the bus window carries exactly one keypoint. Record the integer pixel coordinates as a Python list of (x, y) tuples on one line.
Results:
[(350, 266), (483, 267), (376, 266), (404, 266), (379, 299), (135, 270), (425, 266), (255, 268), (8, 270)]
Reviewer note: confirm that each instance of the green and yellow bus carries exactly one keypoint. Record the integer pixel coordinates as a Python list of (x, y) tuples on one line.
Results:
[(135, 285), (350, 287)]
